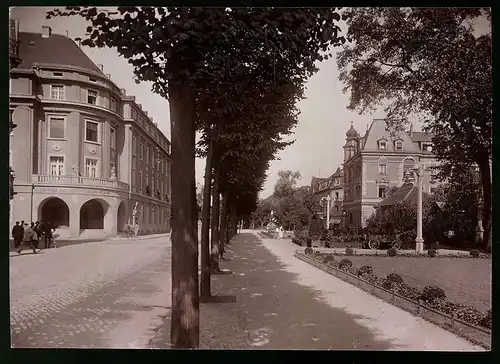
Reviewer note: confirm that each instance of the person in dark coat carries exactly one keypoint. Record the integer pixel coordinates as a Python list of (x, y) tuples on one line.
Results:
[(29, 238), (38, 231), (17, 234), (47, 232)]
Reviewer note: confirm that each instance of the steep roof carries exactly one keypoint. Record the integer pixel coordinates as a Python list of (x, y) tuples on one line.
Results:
[(407, 192), (377, 131), (56, 49), (329, 185), (420, 136), (338, 173)]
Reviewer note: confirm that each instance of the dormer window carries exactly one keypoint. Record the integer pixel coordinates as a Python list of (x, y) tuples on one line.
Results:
[(427, 147), (382, 145), (398, 145)]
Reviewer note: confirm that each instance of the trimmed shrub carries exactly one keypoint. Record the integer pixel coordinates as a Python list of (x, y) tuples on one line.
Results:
[(364, 270), (345, 263), (308, 251), (394, 277), (486, 320), (474, 253), (432, 293), (387, 284), (392, 252), (432, 253), (349, 251)]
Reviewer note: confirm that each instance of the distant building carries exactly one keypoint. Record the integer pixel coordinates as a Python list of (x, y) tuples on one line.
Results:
[(84, 152), (331, 186), (377, 161)]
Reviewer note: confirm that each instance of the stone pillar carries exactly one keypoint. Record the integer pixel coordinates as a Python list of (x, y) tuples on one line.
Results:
[(111, 221), (74, 222)]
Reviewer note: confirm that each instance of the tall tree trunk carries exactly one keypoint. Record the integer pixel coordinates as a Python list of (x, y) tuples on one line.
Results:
[(223, 223), (484, 168), (215, 217), (233, 219), (205, 226), (185, 322)]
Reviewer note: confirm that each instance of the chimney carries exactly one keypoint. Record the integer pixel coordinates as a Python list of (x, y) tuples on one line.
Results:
[(123, 91), (101, 67), (145, 112), (46, 31), (140, 106), (108, 75)]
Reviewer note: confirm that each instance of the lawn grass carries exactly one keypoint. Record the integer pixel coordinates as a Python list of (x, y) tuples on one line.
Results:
[(465, 281)]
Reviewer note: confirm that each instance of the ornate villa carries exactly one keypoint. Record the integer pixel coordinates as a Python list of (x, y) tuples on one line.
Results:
[(331, 187), (377, 161), (85, 154)]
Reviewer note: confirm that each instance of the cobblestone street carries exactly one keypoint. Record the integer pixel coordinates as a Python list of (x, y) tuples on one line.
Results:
[(110, 294)]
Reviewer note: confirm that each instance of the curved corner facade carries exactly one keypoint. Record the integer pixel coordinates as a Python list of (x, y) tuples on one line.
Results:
[(84, 153)]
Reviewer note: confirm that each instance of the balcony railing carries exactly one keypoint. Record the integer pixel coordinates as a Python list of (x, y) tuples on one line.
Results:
[(79, 181)]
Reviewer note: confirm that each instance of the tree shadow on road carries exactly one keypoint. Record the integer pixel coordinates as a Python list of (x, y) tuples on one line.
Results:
[(275, 311)]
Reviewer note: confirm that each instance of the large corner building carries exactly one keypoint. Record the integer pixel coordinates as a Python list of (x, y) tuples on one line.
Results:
[(84, 152), (377, 161)]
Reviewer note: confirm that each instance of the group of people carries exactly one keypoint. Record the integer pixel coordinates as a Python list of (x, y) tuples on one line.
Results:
[(25, 234)]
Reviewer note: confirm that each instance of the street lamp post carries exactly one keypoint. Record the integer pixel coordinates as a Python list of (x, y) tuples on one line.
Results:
[(419, 172), (327, 199)]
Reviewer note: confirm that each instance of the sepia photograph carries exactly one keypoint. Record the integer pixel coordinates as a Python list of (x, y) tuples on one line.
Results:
[(250, 178)]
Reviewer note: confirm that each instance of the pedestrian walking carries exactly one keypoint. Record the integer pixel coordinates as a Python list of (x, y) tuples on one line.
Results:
[(280, 233), (47, 233), (29, 238), (38, 231), (17, 234)]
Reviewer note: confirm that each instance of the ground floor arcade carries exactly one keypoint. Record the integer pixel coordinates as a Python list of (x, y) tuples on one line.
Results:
[(83, 213)]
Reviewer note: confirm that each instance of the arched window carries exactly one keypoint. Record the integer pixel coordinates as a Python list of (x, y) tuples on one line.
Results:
[(408, 165)]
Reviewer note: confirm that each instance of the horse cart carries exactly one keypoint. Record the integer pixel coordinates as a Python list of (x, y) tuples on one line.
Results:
[(384, 241)]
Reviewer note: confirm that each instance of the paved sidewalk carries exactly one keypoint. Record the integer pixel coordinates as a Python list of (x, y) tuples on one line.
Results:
[(284, 303)]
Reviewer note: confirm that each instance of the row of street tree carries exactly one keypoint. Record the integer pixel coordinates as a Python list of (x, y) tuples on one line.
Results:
[(234, 75)]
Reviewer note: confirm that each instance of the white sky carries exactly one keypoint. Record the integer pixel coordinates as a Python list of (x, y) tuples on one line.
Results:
[(320, 133)]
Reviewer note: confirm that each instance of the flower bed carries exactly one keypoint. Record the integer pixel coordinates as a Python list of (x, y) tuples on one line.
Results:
[(430, 297), (413, 254)]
